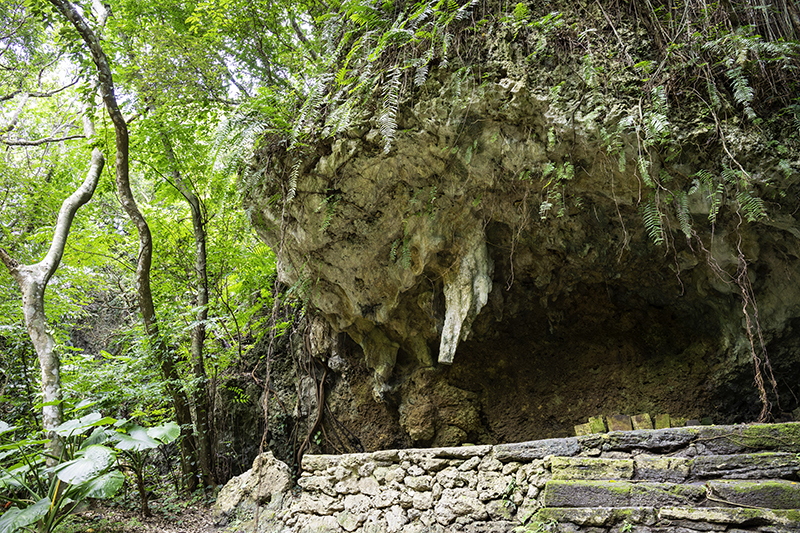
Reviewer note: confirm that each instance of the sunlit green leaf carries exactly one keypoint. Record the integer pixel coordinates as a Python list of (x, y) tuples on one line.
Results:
[(90, 463), (15, 519), (136, 439)]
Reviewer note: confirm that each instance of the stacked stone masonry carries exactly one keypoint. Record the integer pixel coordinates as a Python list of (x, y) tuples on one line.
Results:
[(707, 478)]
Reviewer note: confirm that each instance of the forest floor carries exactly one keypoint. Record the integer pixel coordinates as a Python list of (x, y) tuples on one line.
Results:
[(104, 518)]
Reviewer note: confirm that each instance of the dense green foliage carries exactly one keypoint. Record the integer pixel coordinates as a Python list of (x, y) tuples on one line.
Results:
[(91, 301), (91, 468)]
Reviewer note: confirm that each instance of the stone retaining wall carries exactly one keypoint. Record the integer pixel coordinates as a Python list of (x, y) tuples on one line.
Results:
[(717, 477)]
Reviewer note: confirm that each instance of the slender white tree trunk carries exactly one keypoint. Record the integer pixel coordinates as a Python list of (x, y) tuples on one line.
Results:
[(32, 281)]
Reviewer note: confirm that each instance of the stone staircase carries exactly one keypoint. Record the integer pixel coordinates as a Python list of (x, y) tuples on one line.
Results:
[(688, 491)]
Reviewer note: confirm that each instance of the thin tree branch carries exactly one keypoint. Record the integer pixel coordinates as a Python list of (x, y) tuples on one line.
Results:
[(38, 94), (67, 214), (38, 142), (302, 36), (17, 112)]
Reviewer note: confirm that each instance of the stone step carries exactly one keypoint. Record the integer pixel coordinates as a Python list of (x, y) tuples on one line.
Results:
[(769, 494), (611, 493), (670, 519), (768, 465)]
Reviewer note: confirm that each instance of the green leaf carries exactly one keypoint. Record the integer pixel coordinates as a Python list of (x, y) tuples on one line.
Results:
[(91, 462), (136, 439), (166, 432), (84, 404), (21, 443), (98, 436), (80, 425), (5, 428), (104, 486), (15, 519)]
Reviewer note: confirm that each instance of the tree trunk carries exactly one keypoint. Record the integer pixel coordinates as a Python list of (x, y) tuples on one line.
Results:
[(32, 281), (144, 294), (205, 448)]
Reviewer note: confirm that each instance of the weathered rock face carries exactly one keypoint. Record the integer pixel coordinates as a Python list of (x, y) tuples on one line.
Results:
[(258, 486), (495, 278)]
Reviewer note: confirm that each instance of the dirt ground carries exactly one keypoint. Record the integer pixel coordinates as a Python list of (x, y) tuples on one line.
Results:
[(107, 519)]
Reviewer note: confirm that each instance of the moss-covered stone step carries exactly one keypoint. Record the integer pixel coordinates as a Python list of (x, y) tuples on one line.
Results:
[(659, 468), (610, 493), (671, 519), (591, 468), (783, 520), (596, 516), (747, 466), (707, 440), (769, 494)]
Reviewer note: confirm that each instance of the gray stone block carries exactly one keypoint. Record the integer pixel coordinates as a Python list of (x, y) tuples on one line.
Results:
[(662, 421), (619, 423), (597, 424), (461, 452), (560, 493), (642, 421), (662, 469), (598, 516), (735, 516), (770, 494), (655, 440), (747, 466), (591, 468), (748, 438), (527, 451)]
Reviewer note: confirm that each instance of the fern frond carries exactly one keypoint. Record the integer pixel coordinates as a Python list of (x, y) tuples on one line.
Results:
[(704, 179), (653, 224), (589, 70), (682, 211), (548, 168), (521, 13), (715, 197), (731, 176), (545, 208), (752, 206), (293, 176), (657, 125), (713, 94), (387, 120), (658, 97), (235, 139), (565, 172), (743, 93), (421, 75), (310, 111), (446, 41), (421, 14), (643, 165), (341, 118), (465, 11)]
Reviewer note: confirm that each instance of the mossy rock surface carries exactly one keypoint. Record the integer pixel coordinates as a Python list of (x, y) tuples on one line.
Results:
[(770, 494), (591, 468), (586, 493), (766, 465)]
